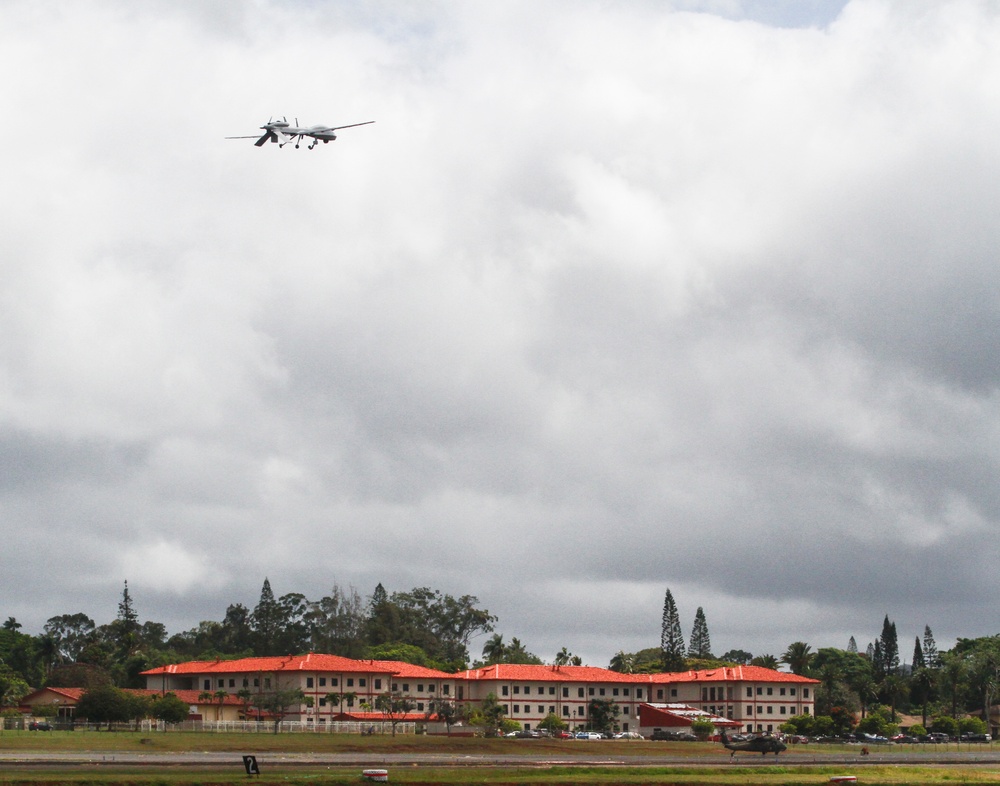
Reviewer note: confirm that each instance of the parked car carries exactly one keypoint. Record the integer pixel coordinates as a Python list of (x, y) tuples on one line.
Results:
[(629, 735), (588, 735), (661, 734), (40, 726), (564, 735), (970, 737), (904, 739), (935, 737)]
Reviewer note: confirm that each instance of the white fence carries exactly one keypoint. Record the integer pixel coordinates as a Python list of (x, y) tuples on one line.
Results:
[(223, 727)]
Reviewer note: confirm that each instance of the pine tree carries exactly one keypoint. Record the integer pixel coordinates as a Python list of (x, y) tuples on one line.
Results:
[(127, 624), (700, 646), (918, 655), (265, 622), (890, 647), (671, 636), (931, 656), (852, 646)]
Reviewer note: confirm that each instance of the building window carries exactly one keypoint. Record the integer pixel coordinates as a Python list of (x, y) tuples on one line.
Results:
[(267, 682), (208, 685), (673, 693), (579, 692), (232, 683), (749, 691), (246, 683), (378, 684), (256, 682), (805, 710), (350, 682), (624, 691), (805, 693), (614, 691), (322, 682), (333, 682), (781, 691), (590, 691), (503, 690), (624, 710), (565, 710), (760, 691), (791, 691), (309, 682), (446, 689), (420, 706), (322, 702), (431, 688), (222, 683), (527, 690), (781, 709), (361, 682), (395, 687), (517, 690), (601, 691), (749, 709), (406, 687), (541, 709), (638, 693), (770, 710), (517, 708), (420, 688), (552, 690), (770, 691)]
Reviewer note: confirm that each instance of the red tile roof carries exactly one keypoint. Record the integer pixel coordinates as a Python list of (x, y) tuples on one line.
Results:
[(310, 662), (731, 674), (411, 671)]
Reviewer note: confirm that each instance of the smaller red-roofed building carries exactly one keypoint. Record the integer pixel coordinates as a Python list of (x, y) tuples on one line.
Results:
[(678, 718)]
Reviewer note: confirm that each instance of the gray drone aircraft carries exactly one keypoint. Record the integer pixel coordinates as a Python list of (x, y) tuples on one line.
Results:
[(762, 745), (282, 132)]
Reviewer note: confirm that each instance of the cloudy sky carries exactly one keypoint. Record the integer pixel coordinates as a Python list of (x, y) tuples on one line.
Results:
[(613, 297)]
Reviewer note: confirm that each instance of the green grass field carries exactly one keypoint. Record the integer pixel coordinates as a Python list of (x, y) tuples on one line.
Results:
[(709, 766)]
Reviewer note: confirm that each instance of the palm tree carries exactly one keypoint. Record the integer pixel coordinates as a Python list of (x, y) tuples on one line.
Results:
[(246, 696), (798, 656), (220, 696), (622, 662), (494, 649), (563, 657)]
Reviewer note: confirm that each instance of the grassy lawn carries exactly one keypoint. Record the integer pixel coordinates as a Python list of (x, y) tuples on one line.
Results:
[(562, 776)]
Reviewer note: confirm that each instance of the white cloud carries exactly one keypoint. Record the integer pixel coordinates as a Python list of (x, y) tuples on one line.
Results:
[(613, 297)]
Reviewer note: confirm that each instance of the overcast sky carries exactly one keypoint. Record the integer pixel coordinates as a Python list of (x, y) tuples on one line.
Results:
[(613, 297)]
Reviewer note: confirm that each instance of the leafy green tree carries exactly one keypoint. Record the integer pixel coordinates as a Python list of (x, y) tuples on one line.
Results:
[(970, 725), (70, 635), (603, 715), (445, 710), (104, 704), (766, 661), (489, 716), (878, 721), (739, 657), (918, 730), (922, 684), (890, 647), (702, 728), (671, 636), (337, 623), (394, 707), (798, 657), (945, 724), (276, 703), (407, 653), (552, 723), (12, 687), (169, 709), (126, 627), (701, 644), (842, 720)]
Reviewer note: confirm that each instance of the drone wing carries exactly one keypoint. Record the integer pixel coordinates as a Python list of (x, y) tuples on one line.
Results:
[(352, 125)]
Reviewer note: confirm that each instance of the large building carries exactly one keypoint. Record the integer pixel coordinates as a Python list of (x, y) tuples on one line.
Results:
[(755, 698)]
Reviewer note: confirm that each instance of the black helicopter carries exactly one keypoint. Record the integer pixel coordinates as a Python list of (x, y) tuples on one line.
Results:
[(763, 745)]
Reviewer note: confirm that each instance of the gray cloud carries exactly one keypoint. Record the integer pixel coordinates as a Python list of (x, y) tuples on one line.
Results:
[(607, 300)]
